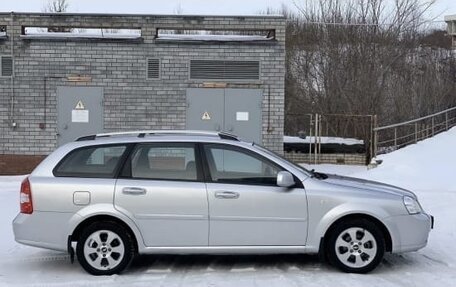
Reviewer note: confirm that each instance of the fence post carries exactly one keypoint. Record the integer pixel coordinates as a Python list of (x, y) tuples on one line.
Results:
[(310, 139), (375, 143), (395, 138), (416, 132), (315, 141), (371, 140), (432, 126), (446, 120), (375, 136), (319, 134)]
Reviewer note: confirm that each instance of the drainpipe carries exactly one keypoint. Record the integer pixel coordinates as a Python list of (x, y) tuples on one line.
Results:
[(11, 34)]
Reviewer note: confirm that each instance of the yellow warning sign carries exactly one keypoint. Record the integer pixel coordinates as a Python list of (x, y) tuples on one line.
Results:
[(206, 116), (79, 106)]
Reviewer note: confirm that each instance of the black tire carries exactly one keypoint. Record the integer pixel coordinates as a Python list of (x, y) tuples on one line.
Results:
[(358, 253), (122, 242)]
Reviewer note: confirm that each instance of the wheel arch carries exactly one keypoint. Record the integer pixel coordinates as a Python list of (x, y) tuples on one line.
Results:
[(386, 233), (75, 235)]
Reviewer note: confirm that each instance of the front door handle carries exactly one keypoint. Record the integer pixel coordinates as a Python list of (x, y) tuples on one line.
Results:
[(227, 194), (134, 190)]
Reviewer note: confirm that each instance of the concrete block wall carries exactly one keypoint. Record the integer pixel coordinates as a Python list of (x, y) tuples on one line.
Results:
[(131, 101), (330, 158)]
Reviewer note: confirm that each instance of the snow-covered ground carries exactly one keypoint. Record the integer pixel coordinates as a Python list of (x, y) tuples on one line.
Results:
[(426, 168)]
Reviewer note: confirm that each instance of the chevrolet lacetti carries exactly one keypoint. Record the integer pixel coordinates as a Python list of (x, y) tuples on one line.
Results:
[(106, 198)]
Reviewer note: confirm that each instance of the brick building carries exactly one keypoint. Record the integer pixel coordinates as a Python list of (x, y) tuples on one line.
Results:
[(67, 75)]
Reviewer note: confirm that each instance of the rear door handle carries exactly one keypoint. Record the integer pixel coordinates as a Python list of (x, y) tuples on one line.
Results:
[(134, 190), (226, 194)]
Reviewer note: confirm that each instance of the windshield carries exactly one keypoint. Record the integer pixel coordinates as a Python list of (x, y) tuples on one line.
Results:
[(297, 166)]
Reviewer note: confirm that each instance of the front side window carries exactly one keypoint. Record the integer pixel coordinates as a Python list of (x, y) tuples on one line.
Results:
[(98, 161), (235, 165), (164, 161)]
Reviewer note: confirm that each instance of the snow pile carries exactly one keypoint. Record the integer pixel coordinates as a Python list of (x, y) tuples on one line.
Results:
[(427, 165)]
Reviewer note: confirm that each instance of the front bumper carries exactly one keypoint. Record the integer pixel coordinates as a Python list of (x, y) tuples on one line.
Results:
[(410, 232)]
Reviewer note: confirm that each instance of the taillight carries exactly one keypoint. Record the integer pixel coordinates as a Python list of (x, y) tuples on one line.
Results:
[(26, 197)]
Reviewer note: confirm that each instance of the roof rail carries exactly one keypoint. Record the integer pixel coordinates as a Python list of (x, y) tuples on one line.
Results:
[(143, 133)]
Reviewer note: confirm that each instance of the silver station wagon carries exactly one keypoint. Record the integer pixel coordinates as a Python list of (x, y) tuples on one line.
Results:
[(107, 197)]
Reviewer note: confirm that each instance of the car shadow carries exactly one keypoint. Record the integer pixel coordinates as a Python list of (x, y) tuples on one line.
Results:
[(177, 263), (243, 263)]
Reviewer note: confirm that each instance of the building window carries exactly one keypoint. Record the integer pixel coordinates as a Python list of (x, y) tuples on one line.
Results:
[(6, 66)]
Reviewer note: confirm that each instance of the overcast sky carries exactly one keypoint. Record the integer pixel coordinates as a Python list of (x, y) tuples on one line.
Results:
[(219, 7)]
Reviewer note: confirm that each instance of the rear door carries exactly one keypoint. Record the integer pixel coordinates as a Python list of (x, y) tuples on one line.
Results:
[(161, 189)]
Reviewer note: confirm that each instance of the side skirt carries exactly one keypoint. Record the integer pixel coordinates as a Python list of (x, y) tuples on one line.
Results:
[(229, 250)]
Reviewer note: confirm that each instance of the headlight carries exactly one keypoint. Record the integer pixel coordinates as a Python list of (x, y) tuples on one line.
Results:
[(412, 205)]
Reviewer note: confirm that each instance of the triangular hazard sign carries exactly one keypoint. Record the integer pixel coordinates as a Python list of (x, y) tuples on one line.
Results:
[(79, 106), (206, 116)]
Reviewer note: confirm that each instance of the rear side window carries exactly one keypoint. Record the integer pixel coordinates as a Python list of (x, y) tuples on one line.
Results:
[(97, 161), (164, 161)]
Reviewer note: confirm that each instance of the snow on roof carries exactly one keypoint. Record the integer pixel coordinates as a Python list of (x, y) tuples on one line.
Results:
[(209, 15), (53, 35), (92, 33), (208, 37), (323, 140)]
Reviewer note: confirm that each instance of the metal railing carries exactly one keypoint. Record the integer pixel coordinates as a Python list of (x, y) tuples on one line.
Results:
[(392, 137)]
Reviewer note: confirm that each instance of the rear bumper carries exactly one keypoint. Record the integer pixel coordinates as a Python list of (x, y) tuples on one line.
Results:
[(42, 229), (410, 232)]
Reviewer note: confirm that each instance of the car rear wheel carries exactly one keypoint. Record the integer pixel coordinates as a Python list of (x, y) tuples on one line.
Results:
[(105, 248), (356, 246)]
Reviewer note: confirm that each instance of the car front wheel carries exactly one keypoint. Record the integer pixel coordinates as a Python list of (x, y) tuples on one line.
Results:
[(356, 246), (105, 248)]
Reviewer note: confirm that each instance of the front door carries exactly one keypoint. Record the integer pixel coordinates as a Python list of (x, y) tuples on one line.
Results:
[(79, 112), (246, 206), (161, 189)]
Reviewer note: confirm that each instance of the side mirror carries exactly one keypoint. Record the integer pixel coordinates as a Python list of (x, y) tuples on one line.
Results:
[(285, 179)]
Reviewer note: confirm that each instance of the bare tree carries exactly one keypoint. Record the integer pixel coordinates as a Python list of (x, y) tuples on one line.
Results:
[(178, 9), (56, 6), (367, 57)]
